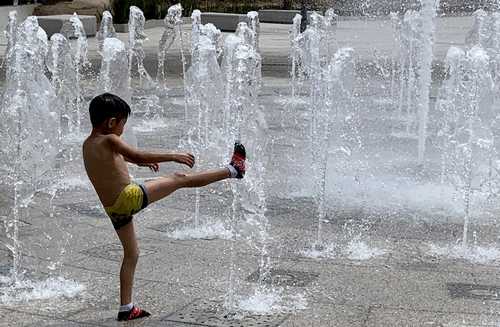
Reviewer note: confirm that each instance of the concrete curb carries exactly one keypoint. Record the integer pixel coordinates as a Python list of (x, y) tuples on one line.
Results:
[(224, 22), (53, 24), (277, 16)]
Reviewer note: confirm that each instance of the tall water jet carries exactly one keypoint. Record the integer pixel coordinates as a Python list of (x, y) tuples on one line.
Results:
[(396, 33), (310, 42), (10, 32), (112, 78), (232, 124), (246, 123), (330, 26), (336, 80), (254, 24), (28, 147), (195, 28), (136, 37), (427, 14), (63, 78), (467, 132), (480, 33), (417, 37), (295, 54), (204, 82), (204, 86), (172, 31), (409, 42), (73, 31), (106, 30), (485, 33)]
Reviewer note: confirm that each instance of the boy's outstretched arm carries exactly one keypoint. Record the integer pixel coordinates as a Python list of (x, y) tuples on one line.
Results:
[(142, 157)]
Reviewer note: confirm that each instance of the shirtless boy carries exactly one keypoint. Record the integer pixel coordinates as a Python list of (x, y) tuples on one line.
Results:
[(105, 155)]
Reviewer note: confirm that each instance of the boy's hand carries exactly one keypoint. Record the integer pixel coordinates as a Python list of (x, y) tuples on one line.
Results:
[(184, 158), (153, 166)]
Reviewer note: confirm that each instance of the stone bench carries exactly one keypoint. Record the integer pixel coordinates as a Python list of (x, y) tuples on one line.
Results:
[(23, 11), (223, 21), (52, 24), (277, 16)]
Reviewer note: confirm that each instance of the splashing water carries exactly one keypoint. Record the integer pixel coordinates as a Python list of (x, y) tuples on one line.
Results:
[(215, 230), (356, 250), (359, 250), (472, 253), (265, 301), (26, 290)]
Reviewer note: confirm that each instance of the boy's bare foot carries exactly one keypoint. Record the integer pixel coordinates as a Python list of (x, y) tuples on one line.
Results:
[(237, 164), (134, 313)]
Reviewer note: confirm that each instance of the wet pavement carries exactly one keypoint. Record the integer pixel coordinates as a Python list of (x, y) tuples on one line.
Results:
[(392, 260)]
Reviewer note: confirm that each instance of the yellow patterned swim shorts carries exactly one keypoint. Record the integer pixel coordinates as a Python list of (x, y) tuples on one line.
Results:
[(132, 199)]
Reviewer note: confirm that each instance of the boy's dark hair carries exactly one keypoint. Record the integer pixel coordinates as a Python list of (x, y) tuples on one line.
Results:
[(106, 106)]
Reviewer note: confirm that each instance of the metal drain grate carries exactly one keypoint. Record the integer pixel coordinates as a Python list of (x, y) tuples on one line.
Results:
[(285, 277), (86, 209), (210, 313), (474, 291), (113, 252)]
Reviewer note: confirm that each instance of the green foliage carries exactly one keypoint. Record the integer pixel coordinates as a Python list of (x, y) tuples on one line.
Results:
[(153, 9)]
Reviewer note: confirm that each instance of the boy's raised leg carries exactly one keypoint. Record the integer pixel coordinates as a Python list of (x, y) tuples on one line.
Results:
[(159, 188)]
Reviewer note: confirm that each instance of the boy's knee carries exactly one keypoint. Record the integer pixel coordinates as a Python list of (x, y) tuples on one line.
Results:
[(131, 255), (181, 180)]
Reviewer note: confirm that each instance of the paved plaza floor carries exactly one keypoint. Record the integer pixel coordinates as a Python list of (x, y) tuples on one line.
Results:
[(391, 263), (381, 271)]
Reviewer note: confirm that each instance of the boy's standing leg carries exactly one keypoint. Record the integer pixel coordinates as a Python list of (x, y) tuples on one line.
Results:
[(127, 311), (130, 257)]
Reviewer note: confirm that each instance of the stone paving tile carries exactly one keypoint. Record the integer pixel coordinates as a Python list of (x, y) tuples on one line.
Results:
[(389, 317), (26, 319), (328, 315), (182, 261), (423, 290)]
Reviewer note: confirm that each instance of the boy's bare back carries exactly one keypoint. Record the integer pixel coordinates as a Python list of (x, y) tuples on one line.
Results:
[(106, 168)]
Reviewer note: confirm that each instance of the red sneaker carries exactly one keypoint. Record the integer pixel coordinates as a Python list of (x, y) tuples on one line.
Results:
[(134, 313), (238, 159)]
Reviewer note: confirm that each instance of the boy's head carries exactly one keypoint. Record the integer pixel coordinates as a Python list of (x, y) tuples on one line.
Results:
[(109, 112)]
